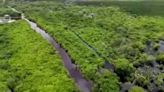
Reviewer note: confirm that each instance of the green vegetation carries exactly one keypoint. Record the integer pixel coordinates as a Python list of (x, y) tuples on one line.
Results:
[(136, 7), (91, 35), (160, 79), (128, 42), (136, 89), (106, 82), (125, 41), (28, 63), (5, 10), (160, 58)]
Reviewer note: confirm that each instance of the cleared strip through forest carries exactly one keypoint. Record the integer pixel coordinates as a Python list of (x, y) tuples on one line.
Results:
[(107, 65)]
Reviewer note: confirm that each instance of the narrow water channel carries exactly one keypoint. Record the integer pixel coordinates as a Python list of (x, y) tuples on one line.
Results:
[(83, 84)]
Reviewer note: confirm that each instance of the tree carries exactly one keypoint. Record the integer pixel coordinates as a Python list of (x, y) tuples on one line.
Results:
[(123, 69)]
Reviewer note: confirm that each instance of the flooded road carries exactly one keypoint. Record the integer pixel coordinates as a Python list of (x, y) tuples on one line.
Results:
[(84, 85)]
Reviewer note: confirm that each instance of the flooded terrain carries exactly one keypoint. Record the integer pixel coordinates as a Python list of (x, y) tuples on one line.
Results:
[(84, 85), (104, 49)]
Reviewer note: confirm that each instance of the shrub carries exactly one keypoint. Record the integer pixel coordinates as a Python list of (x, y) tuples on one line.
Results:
[(146, 59), (136, 89), (124, 69), (160, 79), (160, 58), (106, 82)]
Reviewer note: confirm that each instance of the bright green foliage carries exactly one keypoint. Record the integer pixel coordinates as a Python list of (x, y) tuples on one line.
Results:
[(124, 69), (136, 89), (160, 79), (103, 84), (28, 63), (85, 59), (121, 39), (160, 58)]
